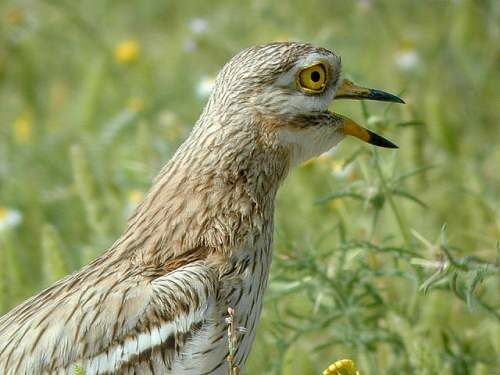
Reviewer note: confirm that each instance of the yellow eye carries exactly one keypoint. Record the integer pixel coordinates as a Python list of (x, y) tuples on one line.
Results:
[(313, 79)]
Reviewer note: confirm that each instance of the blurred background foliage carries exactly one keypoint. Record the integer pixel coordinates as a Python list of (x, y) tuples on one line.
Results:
[(386, 257)]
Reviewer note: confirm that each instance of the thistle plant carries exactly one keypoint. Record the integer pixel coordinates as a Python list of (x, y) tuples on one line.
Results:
[(349, 280)]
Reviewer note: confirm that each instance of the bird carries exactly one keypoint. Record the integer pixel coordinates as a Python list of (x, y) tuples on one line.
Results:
[(200, 243)]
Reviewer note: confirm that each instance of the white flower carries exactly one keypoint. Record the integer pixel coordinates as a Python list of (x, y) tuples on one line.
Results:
[(198, 25), (407, 59), (9, 218), (205, 86)]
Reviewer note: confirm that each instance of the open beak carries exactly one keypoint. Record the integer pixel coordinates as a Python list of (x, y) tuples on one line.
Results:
[(348, 90), (349, 127)]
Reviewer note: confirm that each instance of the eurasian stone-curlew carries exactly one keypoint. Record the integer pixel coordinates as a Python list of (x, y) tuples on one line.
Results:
[(156, 301)]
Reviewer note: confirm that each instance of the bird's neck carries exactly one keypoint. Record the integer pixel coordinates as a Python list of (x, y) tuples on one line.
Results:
[(217, 190)]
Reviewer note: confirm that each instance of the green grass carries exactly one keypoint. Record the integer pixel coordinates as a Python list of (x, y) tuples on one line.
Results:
[(392, 263)]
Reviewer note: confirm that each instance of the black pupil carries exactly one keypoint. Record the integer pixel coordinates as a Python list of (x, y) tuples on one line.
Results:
[(315, 76)]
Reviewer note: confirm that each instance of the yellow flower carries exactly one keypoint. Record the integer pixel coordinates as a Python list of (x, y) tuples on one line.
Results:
[(135, 104), (342, 367), (127, 52), (23, 128)]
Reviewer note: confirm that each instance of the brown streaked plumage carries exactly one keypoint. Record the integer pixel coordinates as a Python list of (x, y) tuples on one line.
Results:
[(155, 302)]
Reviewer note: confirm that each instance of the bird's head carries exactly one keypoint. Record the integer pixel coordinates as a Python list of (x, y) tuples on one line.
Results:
[(285, 90)]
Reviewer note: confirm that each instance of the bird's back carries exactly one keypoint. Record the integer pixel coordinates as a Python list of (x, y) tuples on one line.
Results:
[(77, 317), (105, 319), (111, 319)]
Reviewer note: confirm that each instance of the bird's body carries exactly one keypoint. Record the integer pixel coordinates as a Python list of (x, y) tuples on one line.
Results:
[(156, 301)]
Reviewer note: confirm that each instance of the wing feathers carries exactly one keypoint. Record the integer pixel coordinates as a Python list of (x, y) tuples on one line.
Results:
[(108, 326)]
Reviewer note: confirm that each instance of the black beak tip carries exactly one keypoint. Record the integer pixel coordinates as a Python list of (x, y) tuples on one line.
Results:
[(383, 96), (377, 140)]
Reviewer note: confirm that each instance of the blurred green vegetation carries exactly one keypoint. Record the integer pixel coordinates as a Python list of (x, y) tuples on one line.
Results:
[(389, 258)]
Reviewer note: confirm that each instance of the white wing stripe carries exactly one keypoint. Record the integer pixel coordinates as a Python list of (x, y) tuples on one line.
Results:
[(116, 355)]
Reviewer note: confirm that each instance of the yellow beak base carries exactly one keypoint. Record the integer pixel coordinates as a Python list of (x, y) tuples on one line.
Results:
[(349, 127)]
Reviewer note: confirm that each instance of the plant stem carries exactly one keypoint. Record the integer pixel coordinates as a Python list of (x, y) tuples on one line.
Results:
[(402, 224)]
